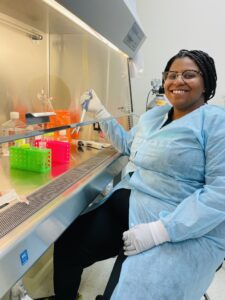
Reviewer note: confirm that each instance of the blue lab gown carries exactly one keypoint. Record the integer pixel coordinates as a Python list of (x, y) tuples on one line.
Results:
[(179, 178)]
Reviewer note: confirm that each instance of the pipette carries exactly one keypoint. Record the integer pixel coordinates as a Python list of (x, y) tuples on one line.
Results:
[(84, 109)]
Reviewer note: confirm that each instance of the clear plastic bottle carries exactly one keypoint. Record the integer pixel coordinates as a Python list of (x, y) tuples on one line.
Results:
[(30, 128), (11, 127), (63, 136)]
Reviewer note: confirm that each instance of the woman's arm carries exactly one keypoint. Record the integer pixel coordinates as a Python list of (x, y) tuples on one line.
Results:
[(118, 136)]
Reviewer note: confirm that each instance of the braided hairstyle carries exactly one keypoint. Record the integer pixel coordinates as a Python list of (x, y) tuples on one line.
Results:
[(206, 65)]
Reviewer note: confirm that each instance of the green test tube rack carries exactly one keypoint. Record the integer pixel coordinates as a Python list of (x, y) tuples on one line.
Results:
[(30, 158)]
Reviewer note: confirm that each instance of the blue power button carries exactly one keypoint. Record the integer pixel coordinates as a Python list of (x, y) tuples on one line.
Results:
[(24, 257)]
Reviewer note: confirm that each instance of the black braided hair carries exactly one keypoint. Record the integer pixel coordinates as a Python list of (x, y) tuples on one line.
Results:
[(206, 65)]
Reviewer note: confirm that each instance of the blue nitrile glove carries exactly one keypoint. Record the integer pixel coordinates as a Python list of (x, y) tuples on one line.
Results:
[(91, 103)]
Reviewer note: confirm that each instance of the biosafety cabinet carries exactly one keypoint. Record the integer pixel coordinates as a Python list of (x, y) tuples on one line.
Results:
[(49, 56)]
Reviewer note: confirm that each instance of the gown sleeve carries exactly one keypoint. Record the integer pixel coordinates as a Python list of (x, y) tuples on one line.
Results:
[(118, 136)]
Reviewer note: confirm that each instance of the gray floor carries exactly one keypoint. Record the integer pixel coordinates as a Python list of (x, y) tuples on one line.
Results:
[(216, 290), (38, 281), (95, 277)]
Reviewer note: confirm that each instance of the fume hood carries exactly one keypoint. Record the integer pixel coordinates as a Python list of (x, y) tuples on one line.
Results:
[(50, 52), (114, 20)]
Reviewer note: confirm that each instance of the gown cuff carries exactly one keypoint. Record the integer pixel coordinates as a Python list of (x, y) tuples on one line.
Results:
[(159, 232)]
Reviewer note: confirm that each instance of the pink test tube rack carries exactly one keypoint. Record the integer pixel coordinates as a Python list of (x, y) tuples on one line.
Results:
[(60, 150)]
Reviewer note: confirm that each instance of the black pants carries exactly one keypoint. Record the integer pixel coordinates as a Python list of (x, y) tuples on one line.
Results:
[(92, 237)]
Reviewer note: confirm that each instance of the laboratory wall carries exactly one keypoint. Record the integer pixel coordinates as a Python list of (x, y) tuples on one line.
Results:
[(174, 25)]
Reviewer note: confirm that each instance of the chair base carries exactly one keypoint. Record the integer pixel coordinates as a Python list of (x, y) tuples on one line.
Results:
[(206, 296)]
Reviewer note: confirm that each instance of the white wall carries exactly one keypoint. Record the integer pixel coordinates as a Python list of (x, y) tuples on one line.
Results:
[(171, 25)]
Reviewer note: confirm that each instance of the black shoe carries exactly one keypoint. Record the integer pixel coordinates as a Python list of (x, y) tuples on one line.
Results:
[(99, 297)]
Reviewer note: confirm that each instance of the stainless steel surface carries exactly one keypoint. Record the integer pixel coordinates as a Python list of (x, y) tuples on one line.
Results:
[(17, 213), (40, 229)]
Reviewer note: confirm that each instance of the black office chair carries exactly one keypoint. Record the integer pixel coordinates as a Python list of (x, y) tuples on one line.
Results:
[(206, 296)]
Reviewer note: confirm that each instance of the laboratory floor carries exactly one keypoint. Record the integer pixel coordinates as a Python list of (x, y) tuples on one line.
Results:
[(216, 290), (95, 277)]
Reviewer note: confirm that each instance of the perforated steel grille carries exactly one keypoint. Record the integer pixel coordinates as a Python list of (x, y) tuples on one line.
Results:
[(16, 214)]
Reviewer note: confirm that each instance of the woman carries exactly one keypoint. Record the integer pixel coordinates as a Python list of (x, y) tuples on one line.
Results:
[(173, 196)]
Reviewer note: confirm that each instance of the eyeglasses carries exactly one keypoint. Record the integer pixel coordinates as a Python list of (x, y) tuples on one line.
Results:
[(185, 75)]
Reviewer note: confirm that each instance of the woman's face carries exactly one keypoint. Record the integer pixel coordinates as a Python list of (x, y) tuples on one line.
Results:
[(185, 95)]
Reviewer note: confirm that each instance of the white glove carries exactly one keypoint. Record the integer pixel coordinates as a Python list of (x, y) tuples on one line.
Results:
[(90, 102), (143, 237)]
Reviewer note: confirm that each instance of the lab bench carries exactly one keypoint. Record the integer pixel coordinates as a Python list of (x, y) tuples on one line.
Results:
[(55, 198)]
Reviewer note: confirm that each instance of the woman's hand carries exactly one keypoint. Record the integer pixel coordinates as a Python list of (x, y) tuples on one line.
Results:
[(144, 236), (90, 102)]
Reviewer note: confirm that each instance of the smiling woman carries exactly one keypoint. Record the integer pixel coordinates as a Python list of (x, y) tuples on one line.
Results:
[(165, 221), (189, 80)]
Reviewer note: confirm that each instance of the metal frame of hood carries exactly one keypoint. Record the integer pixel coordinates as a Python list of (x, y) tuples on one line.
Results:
[(25, 244)]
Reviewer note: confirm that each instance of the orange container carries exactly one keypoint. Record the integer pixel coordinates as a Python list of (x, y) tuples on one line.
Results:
[(61, 118)]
